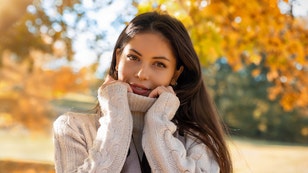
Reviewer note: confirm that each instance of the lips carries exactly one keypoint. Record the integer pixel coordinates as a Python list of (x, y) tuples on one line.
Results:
[(140, 90)]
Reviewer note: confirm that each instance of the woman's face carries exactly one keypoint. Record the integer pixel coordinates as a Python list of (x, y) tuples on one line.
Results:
[(146, 62)]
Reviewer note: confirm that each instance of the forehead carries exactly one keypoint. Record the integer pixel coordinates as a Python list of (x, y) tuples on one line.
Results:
[(150, 41)]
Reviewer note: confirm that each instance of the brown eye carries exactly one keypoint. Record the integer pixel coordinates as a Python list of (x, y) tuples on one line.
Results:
[(160, 65), (132, 57)]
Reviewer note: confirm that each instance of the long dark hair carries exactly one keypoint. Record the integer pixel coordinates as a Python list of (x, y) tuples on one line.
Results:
[(197, 115)]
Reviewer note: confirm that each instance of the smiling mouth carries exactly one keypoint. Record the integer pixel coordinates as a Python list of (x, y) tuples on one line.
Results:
[(140, 90)]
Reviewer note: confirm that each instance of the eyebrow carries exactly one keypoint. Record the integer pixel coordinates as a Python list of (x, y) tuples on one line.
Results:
[(156, 57)]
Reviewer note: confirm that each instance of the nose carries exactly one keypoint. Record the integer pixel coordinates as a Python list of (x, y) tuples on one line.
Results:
[(143, 73)]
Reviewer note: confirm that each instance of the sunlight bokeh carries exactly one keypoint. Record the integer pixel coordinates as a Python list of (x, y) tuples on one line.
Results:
[(54, 55)]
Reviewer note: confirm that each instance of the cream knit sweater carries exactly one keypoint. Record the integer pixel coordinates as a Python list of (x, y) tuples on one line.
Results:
[(87, 143)]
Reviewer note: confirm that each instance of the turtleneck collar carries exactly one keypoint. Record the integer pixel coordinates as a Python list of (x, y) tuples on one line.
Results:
[(138, 103)]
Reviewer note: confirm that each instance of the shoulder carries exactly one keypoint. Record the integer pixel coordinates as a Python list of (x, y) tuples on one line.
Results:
[(200, 152), (194, 146), (75, 121)]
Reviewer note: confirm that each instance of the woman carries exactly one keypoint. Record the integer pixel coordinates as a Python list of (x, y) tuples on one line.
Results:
[(154, 113)]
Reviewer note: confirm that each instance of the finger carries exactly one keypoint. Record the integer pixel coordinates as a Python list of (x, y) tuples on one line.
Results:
[(159, 90), (154, 93), (109, 80), (129, 89)]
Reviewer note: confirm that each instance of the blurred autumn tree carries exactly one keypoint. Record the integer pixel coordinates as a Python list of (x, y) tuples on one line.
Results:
[(38, 37), (32, 45), (255, 56), (242, 100), (38, 44), (248, 33)]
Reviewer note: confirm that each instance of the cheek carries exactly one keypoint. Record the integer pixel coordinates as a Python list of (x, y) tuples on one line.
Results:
[(123, 72), (121, 75), (162, 79)]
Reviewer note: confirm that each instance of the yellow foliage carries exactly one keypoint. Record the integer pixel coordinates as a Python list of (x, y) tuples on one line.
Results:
[(26, 94), (255, 59), (256, 72), (304, 131), (6, 119), (287, 100), (237, 29)]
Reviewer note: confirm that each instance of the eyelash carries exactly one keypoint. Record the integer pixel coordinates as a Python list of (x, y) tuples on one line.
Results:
[(160, 65), (135, 58), (132, 57)]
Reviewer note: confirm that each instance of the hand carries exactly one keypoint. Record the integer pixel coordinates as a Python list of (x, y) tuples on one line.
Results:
[(159, 90), (109, 80)]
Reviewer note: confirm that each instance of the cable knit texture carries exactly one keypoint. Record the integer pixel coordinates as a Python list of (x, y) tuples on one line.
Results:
[(130, 122)]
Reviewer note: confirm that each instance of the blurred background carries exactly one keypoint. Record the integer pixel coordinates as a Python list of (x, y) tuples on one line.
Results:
[(55, 54)]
